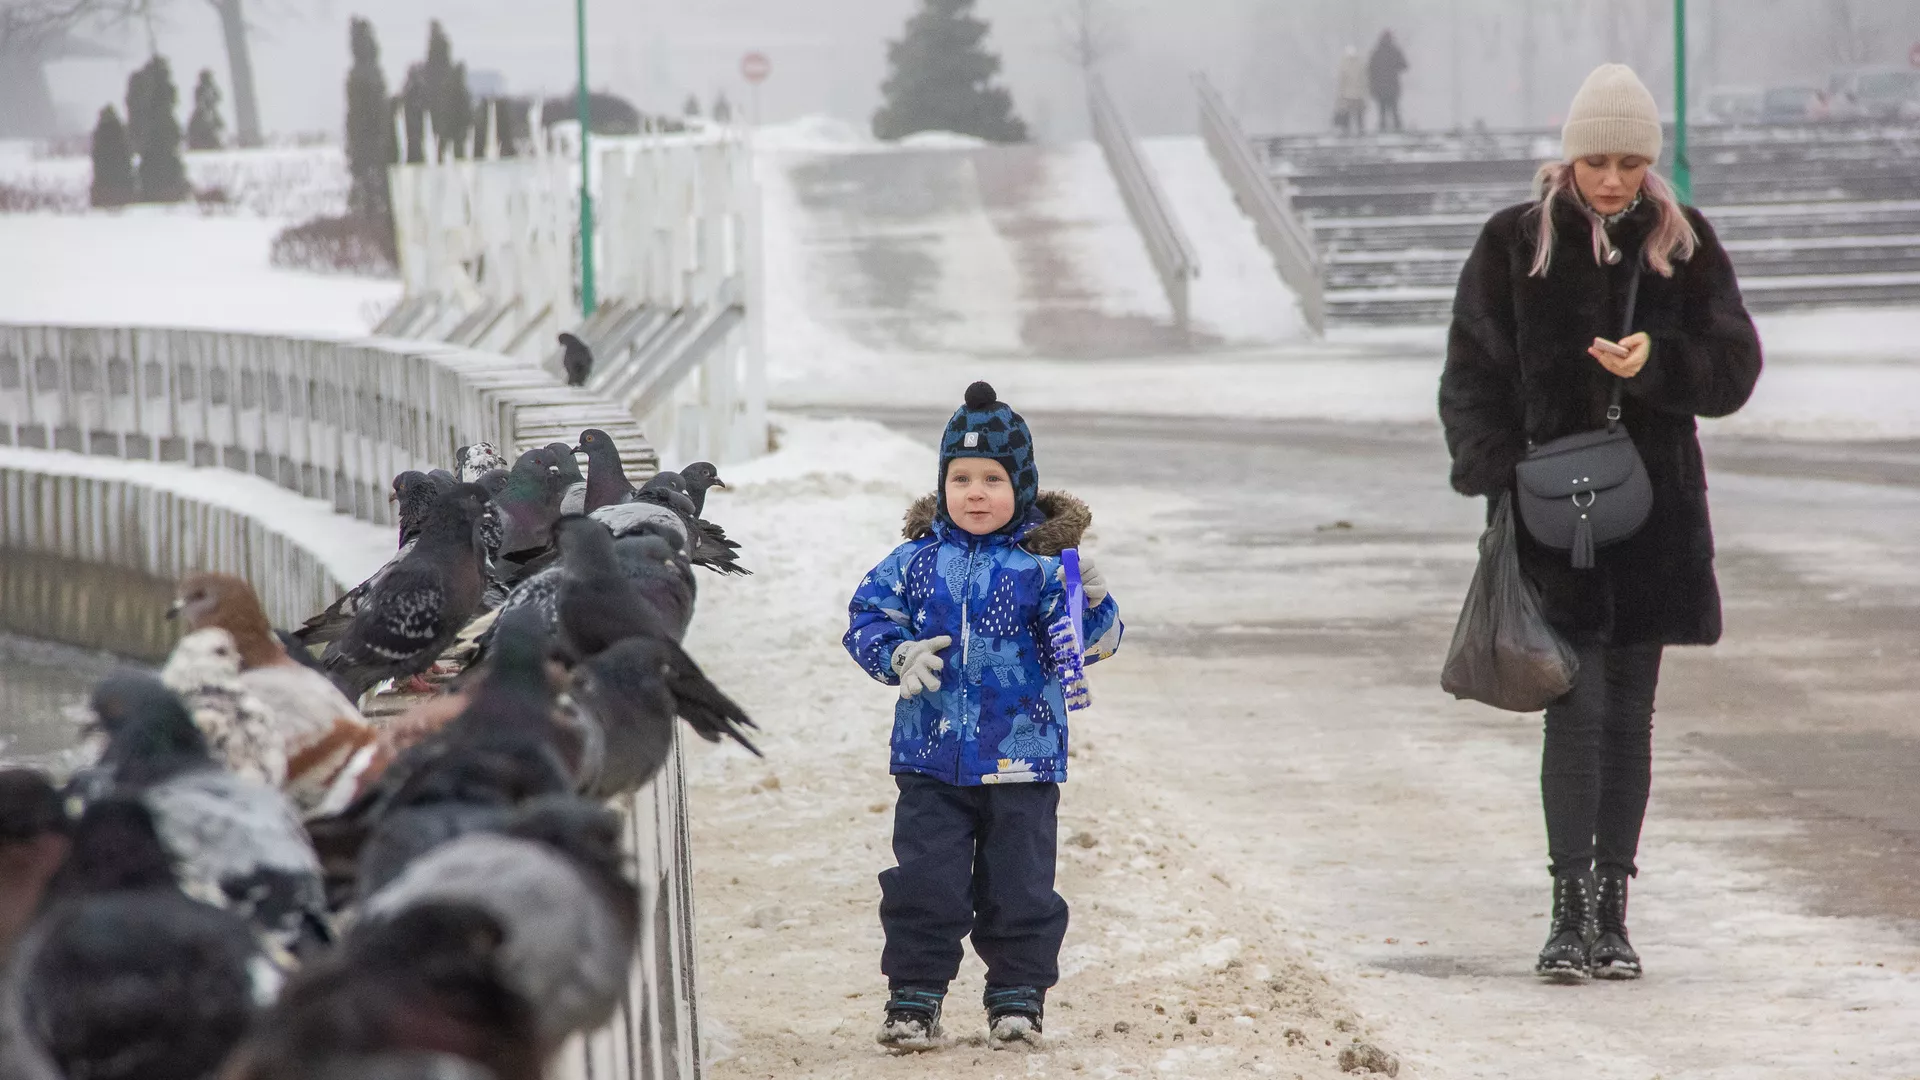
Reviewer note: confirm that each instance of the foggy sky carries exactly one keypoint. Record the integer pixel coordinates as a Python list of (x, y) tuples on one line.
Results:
[(1273, 59)]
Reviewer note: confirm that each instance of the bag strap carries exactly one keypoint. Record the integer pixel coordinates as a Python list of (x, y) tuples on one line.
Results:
[(1626, 329)]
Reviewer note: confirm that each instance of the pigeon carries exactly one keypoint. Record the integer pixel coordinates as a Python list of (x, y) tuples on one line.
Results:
[(329, 745), (556, 880), (708, 545), (428, 981), (124, 977), (420, 604), (578, 360), (503, 749), (628, 691), (600, 608), (607, 482), (205, 671), (700, 477), (33, 843), (472, 462), (575, 500), (530, 504), (662, 511), (413, 494), (235, 843), (649, 558)]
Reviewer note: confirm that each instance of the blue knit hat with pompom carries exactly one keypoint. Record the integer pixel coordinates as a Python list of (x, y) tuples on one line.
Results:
[(986, 427)]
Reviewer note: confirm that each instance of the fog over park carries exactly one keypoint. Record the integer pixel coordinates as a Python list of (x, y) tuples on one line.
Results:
[(1501, 62)]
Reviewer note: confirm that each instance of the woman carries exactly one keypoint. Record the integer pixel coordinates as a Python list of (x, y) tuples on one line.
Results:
[(1542, 296)]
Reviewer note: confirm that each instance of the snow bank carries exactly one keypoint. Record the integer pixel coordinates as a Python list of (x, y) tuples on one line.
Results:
[(1239, 295), (1103, 248), (282, 182), (154, 266)]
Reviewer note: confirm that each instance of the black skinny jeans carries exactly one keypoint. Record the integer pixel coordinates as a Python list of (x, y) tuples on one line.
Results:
[(1598, 761)]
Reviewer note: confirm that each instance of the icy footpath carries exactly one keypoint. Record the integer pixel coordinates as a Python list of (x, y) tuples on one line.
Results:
[(1169, 969)]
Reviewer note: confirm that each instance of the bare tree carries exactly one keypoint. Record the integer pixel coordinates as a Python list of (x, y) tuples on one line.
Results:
[(246, 101), (1089, 33)]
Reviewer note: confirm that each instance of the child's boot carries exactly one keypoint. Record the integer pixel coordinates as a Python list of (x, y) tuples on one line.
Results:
[(1014, 1013), (913, 1019)]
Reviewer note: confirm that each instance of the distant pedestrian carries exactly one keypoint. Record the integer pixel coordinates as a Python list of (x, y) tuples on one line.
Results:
[(1350, 95), (967, 619), (1533, 357), (1384, 69)]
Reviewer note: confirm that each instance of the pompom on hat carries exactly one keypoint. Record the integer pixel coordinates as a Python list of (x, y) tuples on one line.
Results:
[(1614, 113), (986, 427)]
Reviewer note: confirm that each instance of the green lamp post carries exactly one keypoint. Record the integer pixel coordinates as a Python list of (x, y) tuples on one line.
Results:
[(1682, 167), (587, 299)]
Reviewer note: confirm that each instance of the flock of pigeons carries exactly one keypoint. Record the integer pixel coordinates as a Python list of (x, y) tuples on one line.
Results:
[(253, 882)]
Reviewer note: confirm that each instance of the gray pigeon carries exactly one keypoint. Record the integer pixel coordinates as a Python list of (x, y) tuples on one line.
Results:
[(700, 477), (575, 500), (420, 603), (578, 360), (607, 481), (124, 977), (235, 843), (413, 494), (627, 690), (555, 879), (530, 504)]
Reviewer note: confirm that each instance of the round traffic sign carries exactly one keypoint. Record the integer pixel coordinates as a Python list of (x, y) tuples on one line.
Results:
[(756, 67)]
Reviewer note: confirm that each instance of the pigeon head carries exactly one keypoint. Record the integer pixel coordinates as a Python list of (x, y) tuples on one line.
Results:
[(666, 480), (30, 807), (455, 514), (146, 726), (203, 658), (572, 342), (669, 496), (494, 480), (470, 461), (537, 475), (594, 441), (228, 602), (411, 480), (702, 475), (569, 465), (116, 847)]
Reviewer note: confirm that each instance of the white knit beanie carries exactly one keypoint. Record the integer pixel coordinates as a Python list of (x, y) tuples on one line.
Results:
[(1614, 113)]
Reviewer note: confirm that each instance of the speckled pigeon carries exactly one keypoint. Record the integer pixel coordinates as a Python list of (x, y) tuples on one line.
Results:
[(420, 603), (471, 462)]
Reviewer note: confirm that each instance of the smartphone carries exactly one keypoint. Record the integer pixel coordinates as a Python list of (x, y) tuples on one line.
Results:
[(1611, 347)]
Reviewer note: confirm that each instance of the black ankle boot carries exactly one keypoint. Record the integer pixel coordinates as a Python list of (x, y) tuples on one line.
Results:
[(1573, 929), (1612, 957)]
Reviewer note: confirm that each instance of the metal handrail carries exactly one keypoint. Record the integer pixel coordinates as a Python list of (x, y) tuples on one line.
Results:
[(1167, 245), (1268, 201)]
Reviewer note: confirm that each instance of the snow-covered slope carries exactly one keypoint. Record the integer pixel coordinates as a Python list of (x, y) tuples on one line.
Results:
[(1238, 295)]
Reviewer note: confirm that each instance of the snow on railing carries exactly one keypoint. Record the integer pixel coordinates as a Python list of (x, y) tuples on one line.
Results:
[(1167, 245), (332, 420), (489, 254), (1264, 199)]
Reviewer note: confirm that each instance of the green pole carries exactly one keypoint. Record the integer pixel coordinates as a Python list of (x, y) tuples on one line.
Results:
[(587, 299), (1682, 167)]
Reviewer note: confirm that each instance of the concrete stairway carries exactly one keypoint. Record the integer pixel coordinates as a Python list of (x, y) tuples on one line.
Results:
[(1811, 214)]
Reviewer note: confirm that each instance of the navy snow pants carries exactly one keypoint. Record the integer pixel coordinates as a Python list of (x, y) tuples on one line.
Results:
[(973, 860)]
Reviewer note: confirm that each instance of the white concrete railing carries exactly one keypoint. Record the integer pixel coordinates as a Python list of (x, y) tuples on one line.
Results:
[(1280, 230), (1167, 244), (332, 420), (488, 252)]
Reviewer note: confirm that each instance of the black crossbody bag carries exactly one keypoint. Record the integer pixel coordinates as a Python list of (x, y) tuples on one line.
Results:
[(1582, 492)]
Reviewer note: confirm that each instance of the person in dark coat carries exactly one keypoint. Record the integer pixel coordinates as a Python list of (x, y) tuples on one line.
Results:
[(1384, 69), (1542, 294)]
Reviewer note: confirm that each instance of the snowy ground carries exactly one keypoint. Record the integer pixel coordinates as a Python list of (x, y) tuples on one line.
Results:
[(294, 183)]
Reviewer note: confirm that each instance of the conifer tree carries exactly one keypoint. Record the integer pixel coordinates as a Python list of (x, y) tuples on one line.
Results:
[(692, 107), (437, 87), (155, 133), (942, 79), (206, 130), (370, 147), (722, 108), (113, 183)]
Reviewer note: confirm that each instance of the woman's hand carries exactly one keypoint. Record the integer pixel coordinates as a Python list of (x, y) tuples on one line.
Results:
[(1637, 346)]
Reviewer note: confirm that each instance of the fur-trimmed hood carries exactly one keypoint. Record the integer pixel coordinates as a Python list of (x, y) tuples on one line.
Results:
[(1065, 522)]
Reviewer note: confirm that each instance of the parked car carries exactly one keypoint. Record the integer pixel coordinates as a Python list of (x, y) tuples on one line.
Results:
[(1879, 93), (1804, 104), (1732, 105)]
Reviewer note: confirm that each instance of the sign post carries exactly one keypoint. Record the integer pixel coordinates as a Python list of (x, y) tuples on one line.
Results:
[(1682, 167), (587, 298), (755, 67)]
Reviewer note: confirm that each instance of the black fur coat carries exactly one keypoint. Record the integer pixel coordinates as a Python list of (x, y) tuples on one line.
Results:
[(1518, 371)]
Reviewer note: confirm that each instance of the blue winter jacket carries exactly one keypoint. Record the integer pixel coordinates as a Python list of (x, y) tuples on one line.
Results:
[(999, 716)]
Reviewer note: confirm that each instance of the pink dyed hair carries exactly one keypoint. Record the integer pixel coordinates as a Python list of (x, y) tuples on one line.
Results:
[(1672, 239)]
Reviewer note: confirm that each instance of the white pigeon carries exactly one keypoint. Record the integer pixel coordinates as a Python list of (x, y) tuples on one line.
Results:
[(205, 671)]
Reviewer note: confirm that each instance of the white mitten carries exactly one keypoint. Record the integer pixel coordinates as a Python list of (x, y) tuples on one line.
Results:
[(1091, 579), (918, 664)]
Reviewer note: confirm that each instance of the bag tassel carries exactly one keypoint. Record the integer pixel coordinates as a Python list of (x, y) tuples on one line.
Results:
[(1583, 544)]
